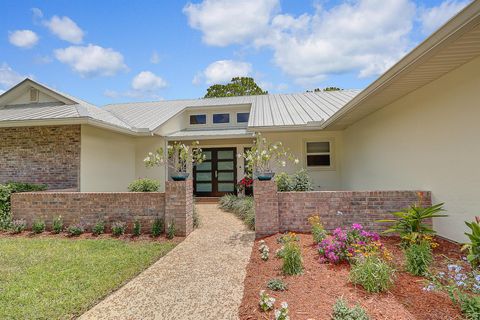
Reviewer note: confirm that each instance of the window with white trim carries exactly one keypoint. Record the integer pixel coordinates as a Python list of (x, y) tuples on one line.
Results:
[(319, 154)]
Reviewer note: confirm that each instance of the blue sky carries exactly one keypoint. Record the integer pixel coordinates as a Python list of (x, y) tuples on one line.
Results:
[(119, 51)]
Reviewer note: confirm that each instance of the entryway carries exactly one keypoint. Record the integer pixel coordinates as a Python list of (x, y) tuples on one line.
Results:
[(217, 175)]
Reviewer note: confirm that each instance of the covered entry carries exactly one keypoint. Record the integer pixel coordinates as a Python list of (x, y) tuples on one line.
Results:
[(217, 175)]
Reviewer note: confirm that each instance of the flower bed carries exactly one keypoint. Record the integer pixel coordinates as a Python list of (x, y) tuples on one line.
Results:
[(312, 294)]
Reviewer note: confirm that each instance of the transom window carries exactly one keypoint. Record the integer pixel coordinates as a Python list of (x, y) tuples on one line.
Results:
[(221, 118), (198, 119), (319, 154), (242, 117)]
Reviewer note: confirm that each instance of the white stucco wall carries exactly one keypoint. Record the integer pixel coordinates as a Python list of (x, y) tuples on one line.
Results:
[(107, 160), (144, 145), (429, 140), (323, 179)]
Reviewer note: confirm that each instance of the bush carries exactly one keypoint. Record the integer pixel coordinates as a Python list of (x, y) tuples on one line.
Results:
[(242, 207), (18, 226), (470, 306), (57, 225), (418, 258), (276, 285), (473, 246), (372, 273), (118, 228), (292, 258), (171, 230), (341, 311), (144, 185), (318, 231), (301, 181), (284, 182), (98, 228), (157, 227), (137, 228), (76, 229), (38, 226)]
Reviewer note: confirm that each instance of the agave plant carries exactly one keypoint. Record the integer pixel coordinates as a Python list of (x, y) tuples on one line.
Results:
[(474, 246), (411, 225)]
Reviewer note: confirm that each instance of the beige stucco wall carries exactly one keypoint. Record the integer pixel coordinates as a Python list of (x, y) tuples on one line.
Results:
[(429, 140), (323, 179), (107, 160), (144, 145)]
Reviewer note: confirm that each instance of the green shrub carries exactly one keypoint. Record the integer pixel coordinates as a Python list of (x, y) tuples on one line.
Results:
[(18, 226), (196, 217), (292, 258), (98, 228), (418, 258), (318, 231), (144, 185), (301, 181), (372, 273), (118, 228), (470, 306), (157, 227), (137, 228), (38, 226), (76, 229), (341, 311), (473, 247), (57, 225), (276, 285), (171, 230), (284, 182), (242, 207)]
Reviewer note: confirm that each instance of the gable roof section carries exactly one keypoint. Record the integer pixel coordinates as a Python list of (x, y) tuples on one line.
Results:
[(454, 44)]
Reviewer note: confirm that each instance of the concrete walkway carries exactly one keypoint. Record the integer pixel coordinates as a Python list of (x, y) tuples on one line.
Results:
[(202, 278)]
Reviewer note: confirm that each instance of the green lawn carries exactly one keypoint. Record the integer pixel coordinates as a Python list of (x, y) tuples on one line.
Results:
[(52, 278)]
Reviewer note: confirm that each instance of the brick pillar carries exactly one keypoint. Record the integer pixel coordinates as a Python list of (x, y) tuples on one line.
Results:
[(179, 206), (266, 208)]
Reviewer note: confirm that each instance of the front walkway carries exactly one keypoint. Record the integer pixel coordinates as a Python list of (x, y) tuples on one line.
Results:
[(202, 278)]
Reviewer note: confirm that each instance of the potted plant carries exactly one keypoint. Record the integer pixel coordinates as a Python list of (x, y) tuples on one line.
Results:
[(244, 186), (177, 157), (263, 157)]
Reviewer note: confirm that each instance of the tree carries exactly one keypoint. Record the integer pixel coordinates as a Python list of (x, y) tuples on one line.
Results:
[(325, 89), (238, 86)]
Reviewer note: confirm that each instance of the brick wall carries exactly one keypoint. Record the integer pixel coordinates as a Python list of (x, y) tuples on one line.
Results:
[(90, 207), (48, 155), (335, 208), (179, 205)]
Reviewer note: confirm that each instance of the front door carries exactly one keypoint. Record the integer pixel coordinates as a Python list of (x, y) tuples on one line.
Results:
[(217, 175)]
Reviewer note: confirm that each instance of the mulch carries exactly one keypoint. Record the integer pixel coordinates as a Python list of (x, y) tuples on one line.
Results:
[(312, 294)]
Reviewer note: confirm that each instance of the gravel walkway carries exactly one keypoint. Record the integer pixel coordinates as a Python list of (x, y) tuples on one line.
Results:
[(201, 278)]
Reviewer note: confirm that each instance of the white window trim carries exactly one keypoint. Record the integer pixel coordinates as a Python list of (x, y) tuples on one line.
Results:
[(331, 167)]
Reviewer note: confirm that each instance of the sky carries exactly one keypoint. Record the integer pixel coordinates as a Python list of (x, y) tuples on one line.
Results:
[(114, 51)]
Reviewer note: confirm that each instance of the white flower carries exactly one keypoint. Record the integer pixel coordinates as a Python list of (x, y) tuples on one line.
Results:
[(296, 161), (284, 305), (284, 163)]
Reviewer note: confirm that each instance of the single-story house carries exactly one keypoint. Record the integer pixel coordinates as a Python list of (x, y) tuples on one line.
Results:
[(416, 127)]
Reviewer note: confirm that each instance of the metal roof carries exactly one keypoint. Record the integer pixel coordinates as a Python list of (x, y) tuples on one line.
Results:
[(210, 134)]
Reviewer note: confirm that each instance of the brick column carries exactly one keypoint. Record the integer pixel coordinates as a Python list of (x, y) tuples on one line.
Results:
[(266, 208), (179, 206)]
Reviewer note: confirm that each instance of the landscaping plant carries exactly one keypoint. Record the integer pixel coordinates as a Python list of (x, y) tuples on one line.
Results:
[(473, 247), (195, 215), (341, 311), (177, 157), (283, 181), (18, 226), (98, 228), (38, 226), (318, 231), (76, 229), (264, 250), (282, 313), (242, 207), (292, 258), (144, 185), (276, 285), (300, 181), (171, 230), (418, 258), (266, 302), (118, 228), (137, 228), (57, 225), (157, 227), (372, 273)]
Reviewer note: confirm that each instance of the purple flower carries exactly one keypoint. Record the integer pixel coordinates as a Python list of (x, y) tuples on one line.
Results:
[(357, 226)]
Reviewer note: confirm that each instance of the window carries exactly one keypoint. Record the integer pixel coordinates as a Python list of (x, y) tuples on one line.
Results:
[(319, 154), (221, 118), (242, 117), (198, 119)]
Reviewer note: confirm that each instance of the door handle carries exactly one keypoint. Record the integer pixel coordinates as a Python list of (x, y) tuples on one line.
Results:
[(216, 174)]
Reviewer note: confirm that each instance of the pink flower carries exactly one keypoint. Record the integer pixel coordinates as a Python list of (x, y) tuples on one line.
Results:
[(357, 226)]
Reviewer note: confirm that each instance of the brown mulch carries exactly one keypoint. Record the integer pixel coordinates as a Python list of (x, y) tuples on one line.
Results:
[(312, 294)]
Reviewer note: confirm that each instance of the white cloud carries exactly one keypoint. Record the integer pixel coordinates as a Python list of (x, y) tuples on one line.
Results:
[(23, 38), (155, 58), (224, 22), (91, 60), (8, 76), (432, 18), (148, 81), (64, 28), (223, 71), (37, 14)]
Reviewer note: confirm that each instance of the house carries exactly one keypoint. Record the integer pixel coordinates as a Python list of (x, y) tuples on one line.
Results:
[(415, 127)]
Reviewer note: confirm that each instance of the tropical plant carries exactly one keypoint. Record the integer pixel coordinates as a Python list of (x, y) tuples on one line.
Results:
[(238, 86), (473, 247), (177, 157), (418, 258), (98, 228), (38, 226), (57, 225), (411, 225), (157, 227), (144, 185), (276, 285), (372, 273), (341, 311)]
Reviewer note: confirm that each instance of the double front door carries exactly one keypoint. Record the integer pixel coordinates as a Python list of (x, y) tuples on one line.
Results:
[(217, 175)]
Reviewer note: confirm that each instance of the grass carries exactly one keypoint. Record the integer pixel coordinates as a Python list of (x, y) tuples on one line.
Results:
[(48, 278), (242, 207)]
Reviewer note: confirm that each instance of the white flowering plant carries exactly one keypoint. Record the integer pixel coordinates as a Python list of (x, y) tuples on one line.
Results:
[(266, 302), (282, 313), (265, 156), (177, 157), (264, 250)]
